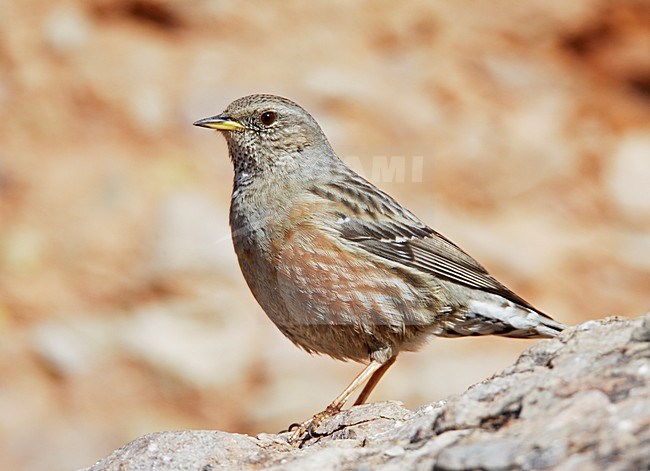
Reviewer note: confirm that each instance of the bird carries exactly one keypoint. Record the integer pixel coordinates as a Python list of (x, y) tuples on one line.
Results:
[(339, 266)]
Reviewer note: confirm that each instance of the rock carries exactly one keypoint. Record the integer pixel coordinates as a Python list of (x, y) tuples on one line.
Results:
[(630, 174), (66, 350), (149, 109), (192, 236), (579, 401), (181, 341), (66, 29)]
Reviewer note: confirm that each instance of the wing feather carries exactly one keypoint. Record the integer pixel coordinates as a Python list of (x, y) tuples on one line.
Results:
[(387, 230)]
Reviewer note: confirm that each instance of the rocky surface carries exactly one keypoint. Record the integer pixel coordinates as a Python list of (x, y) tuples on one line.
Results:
[(576, 402)]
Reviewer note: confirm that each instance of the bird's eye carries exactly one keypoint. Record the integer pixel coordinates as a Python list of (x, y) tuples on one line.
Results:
[(268, 117)]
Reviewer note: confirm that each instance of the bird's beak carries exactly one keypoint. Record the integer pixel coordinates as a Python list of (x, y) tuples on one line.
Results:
[(221, 122)]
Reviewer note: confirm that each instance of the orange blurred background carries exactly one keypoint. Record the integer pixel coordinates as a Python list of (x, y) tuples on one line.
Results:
[(524, 129)]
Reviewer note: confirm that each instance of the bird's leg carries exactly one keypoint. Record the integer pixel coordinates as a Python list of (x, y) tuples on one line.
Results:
[(306, 428), (372, 382)]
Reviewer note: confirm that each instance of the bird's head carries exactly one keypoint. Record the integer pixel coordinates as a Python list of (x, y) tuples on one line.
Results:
[(265, 132)]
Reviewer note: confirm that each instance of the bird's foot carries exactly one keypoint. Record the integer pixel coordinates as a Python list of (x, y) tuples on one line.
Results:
[(306, 430)]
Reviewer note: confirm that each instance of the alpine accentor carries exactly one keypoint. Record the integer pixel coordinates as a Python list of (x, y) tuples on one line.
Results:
[(339, 266)]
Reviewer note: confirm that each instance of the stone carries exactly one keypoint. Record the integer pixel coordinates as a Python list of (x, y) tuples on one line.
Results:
[(630, 173), (579, 401)]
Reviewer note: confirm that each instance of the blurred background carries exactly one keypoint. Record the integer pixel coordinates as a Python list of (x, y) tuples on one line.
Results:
[(521, 130)]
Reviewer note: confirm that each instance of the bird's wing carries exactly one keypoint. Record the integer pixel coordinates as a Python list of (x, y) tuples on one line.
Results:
[(373, 221)]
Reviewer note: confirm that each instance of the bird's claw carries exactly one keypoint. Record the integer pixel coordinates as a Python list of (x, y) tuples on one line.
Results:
[(307, 429), (290, 428)]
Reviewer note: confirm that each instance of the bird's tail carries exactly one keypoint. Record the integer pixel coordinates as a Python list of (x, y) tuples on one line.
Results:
[(495, 315), (543, 327), (517, 321)]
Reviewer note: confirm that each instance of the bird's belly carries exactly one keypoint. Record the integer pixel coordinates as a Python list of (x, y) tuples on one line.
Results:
[(349, 313)]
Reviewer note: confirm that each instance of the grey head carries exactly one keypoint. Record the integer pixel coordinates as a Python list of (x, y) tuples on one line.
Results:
[(270, 134)]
